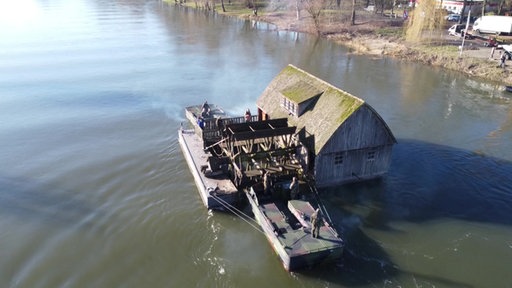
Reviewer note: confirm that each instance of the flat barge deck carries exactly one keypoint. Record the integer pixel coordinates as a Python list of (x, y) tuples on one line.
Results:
[(216, 189), (288, 229)]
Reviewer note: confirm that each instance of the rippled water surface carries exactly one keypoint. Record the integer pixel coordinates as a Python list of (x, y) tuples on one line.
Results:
[(94, 190)]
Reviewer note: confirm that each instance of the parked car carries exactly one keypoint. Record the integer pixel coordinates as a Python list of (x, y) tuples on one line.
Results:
[(507, 49), (456, 29), (459, 31), (472, 19), (453, 17)]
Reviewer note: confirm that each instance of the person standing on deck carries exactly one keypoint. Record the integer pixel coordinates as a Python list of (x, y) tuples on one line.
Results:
[(266, 183), (200, 122), (316, 222), (205, 110), (247, 115), (294, 188)]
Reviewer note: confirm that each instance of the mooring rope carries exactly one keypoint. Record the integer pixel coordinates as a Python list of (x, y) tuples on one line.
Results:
[(240, 214), (322, 206)]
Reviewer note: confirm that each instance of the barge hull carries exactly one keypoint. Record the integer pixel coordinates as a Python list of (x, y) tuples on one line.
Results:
[(216, 193), (296, 248)]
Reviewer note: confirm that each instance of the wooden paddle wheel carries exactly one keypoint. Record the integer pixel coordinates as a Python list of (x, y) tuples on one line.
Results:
[(259, 146)]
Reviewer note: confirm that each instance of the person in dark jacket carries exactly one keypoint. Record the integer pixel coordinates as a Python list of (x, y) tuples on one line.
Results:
[(502, 60)]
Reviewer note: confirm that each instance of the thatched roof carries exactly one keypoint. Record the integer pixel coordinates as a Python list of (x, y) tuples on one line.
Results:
[(327, 106)]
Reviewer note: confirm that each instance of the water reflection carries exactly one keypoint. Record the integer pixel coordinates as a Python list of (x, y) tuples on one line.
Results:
[(17, 14)]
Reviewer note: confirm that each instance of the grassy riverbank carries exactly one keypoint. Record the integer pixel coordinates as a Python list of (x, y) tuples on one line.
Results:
[(376, 35)]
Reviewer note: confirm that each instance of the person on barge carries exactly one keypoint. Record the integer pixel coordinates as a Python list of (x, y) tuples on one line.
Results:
[(247, 115), (294, 188), (316, 223)]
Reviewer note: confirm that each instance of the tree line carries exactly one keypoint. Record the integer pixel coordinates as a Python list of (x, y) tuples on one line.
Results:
[(421, 17)]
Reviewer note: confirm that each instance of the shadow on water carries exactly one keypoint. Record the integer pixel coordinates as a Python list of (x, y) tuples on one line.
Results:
[(30, 200), (364, 262), (428, 181), (425, 182)]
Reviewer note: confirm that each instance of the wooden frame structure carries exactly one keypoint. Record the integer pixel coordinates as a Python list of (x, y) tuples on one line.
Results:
[(256, 147)]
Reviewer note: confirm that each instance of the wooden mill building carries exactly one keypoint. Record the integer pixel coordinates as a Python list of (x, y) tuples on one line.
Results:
[(345, 139)]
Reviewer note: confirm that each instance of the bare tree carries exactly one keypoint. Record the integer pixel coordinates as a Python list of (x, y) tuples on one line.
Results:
[(314, 9), (353, 13), (297, 7), (501, 5), (379, 4), (462, 12), (425, 18)]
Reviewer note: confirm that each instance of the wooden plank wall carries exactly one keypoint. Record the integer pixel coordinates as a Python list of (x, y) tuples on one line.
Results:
[(362, 129), (355, 166), (363, 133)]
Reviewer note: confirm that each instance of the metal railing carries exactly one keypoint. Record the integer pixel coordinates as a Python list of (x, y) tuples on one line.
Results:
[(212, 132)]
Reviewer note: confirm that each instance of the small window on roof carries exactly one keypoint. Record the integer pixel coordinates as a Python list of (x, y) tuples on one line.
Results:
[(290, 106), (298, 94)]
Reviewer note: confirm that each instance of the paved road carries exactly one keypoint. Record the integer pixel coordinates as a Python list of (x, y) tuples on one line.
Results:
[(476, 47)]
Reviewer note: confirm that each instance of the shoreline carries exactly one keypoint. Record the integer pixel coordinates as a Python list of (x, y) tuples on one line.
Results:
[(475, 62), (372, 37)]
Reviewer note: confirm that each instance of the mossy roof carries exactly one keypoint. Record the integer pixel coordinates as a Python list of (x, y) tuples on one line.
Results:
[(301, 92), (326, 113)]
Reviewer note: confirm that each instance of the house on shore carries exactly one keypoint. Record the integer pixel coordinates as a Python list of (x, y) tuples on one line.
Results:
[(345, 139)]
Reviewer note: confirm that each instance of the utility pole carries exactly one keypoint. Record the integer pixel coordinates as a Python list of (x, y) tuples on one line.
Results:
[(465, 32)]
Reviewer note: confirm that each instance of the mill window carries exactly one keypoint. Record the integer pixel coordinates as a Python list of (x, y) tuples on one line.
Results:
[(290, 106), (338, 158)]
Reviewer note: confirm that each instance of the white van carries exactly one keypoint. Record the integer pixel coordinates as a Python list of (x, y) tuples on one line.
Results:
[(493, 24)]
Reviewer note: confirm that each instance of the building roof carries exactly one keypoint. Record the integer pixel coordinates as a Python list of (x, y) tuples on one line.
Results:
[(328, 107), (301, 91)]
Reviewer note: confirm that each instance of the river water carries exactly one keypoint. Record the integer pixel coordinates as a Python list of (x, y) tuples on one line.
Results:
[(94, 190)]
